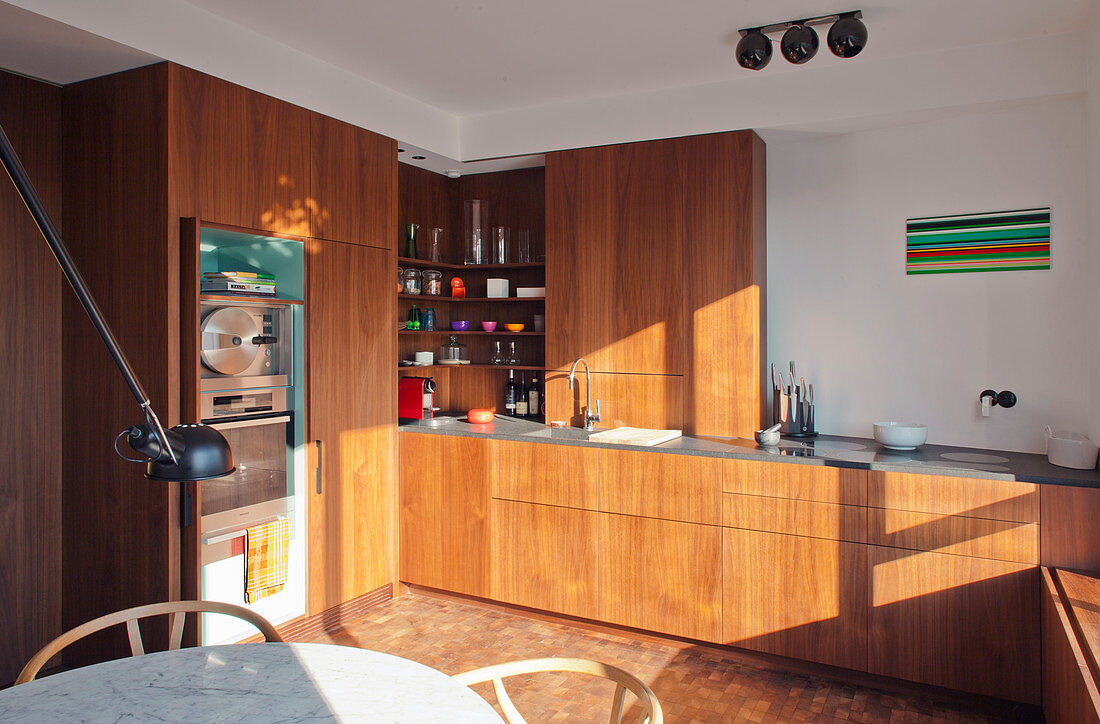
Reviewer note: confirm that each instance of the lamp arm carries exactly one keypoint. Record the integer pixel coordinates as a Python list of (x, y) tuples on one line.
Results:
[(30, 197)]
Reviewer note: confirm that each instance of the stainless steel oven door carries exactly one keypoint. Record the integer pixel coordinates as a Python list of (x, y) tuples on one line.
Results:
[(261, 449)]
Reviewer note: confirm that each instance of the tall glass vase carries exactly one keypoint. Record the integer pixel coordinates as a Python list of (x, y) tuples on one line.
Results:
[(476, 230)]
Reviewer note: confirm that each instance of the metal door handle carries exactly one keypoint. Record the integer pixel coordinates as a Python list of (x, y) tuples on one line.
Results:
[(317, 471)]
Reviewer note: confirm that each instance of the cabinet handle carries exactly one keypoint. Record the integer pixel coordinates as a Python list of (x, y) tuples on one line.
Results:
[(317, 470)]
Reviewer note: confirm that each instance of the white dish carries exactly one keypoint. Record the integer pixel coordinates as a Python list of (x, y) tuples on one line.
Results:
[(453, 362), (900, 435), (1070, 449)]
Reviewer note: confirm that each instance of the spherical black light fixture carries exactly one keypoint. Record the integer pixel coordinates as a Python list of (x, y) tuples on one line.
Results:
[(847, 36), (799, 44), (754, 50)]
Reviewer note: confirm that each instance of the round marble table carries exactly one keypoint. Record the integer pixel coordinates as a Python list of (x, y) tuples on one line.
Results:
[(245, 683)]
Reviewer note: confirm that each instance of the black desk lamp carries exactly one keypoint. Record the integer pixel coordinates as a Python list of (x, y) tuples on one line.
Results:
[(185, 452)]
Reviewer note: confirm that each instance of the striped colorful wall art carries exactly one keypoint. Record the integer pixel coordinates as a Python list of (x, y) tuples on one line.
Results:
[(1002, 241)]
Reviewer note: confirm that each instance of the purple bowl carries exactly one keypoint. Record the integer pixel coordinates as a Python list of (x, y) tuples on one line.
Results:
[(460, 326)]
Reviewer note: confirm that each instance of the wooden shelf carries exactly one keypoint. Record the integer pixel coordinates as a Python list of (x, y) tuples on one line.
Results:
[(470, 299), (505, 332), (474, 365), (247, 298), (405, 261)]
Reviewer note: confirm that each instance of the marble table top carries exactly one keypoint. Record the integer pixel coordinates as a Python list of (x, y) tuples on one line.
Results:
[(244, 683)]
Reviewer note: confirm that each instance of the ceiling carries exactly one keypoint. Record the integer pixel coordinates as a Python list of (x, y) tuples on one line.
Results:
[(471, 58), (500, 81)]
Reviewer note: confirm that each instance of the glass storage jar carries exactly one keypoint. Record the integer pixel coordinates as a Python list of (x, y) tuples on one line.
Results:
[(412, 281), (453, 351), (433, 282)]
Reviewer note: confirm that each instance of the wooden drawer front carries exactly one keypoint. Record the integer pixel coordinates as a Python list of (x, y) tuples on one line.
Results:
[(660, 485), (998, 539), (542, 473), (796, 596), (661, 575), (972, 497), (545, 557), (963, 623), (796, 517), (1070, 694), (800, 482)]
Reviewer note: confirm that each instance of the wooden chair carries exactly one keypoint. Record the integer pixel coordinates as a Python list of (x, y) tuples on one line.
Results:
[(497, 672), (177, 611)]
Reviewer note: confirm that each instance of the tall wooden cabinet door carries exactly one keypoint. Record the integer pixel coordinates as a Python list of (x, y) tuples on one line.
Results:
[(352, 421), (661, 575), (614, 236), (544, 556), (444, 539), (795, 596), (955, 621), (353, 183), (239, 157)]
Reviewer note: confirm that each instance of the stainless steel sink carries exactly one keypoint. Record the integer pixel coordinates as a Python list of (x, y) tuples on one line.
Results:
[(561, 433)]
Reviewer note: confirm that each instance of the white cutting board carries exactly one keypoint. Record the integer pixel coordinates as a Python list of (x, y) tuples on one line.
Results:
[(635, 436)]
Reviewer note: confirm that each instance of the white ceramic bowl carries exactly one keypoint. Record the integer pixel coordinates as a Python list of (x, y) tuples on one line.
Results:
[(1071, 449), (901, 435)]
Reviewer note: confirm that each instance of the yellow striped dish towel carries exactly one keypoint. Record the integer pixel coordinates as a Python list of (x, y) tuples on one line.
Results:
[(266, 548)]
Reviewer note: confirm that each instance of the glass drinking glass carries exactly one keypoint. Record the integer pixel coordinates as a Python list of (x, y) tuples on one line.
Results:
[(475, 231), (523, 246), (500, 244), (435, 239)]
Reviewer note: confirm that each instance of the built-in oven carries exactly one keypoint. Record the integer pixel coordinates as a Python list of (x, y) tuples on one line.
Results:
[(246, 393)]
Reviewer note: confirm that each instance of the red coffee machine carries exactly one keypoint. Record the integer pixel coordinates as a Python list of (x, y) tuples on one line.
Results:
[(416, 398)]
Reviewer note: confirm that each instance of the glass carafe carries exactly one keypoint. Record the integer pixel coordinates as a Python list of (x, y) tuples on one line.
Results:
[(511, 359), (498, 355)]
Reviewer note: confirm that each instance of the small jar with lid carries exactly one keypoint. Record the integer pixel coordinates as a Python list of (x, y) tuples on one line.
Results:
[(433, 282), (453, 351), (412, 281)]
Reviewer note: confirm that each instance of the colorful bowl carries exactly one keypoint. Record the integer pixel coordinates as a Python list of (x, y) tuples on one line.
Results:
[(514, 327), (460, 326), (488, 326)]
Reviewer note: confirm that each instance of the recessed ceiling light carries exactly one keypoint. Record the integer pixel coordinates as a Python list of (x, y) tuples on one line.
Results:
[(400, 150), (418, 158), (453, 173)]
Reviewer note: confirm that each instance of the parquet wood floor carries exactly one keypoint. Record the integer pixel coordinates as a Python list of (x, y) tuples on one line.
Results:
[(693, 684)]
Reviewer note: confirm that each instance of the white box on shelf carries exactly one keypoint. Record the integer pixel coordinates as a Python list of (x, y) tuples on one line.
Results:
[(530, 291), (496, 288)]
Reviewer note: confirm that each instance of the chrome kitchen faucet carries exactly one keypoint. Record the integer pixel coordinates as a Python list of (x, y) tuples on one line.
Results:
[(590, 418)]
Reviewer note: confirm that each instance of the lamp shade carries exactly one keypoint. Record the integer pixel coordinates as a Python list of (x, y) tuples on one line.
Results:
[(847, 36), (754, 50), (799, 44), (201, 452)]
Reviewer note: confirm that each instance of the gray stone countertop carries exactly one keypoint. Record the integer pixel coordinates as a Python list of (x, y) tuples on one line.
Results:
[(829, 450)]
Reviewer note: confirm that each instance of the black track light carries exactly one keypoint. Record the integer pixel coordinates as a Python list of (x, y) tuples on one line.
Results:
[(754, 49), (847, 36), (799, 44)]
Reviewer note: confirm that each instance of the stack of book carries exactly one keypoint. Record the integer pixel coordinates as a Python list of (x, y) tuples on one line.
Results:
[(238, 282)]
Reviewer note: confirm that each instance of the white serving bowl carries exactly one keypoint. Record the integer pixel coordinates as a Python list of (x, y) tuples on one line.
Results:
[(901, 435), (1071, 449)]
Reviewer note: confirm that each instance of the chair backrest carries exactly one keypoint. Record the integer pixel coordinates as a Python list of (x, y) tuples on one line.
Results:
[(177, 611), (625, 680)]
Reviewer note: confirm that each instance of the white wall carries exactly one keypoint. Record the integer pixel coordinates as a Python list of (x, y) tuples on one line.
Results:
[(879, 345), (1092, 341)]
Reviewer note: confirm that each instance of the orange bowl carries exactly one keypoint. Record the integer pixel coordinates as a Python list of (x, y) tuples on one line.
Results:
[(514, 327)]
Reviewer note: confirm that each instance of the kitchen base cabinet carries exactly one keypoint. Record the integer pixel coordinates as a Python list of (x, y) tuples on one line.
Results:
[(445, 513), (795, 596), (661, 575), (955, 621), (545, 556)]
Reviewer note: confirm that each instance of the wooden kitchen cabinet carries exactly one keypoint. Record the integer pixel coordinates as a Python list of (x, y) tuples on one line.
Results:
[(239, 157), (545, 557), (956, 621), (795, 596), (661, 575), (351, 402), (549, 474), (659, 485), (353, 183), (444, 521)]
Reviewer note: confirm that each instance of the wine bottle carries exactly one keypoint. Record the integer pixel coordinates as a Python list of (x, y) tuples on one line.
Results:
[(510, 394), (521, 397), (533, 397)]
